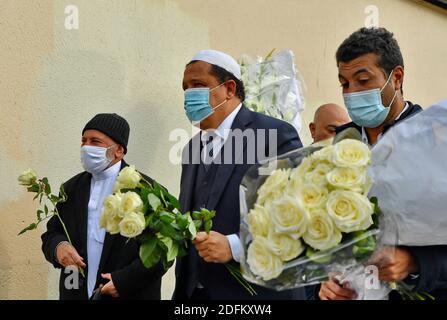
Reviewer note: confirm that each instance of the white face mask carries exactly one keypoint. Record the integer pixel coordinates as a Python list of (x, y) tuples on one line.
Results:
[(95, 159)]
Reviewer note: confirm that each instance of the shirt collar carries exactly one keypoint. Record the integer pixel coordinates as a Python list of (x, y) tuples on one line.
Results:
[(223, 130), (113, 171)]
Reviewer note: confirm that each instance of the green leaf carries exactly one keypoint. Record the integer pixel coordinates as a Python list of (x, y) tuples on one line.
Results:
[(170, 246), (33, 188), (208, 215), (197, 224), (167, 217), (32, 226), (47, 185), (168, 231), (144, 193), (197, 215), (173, 201), (148, 220), (150, 252), (62, 195), (208, 225), (182, 221), (45, 209), (154, 201), (39, 214), (191, 226), (55, 199), (318, 256)]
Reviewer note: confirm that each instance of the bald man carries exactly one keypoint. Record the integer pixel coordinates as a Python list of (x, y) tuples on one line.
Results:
[(326, 119)]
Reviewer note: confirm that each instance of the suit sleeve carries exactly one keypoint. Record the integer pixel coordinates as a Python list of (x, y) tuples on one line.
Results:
[(288, 138), (135, 276), (432, 261), (52, 237)]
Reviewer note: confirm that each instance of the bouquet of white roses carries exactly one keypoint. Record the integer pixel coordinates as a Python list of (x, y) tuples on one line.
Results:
[(148, 212), (309, 217)]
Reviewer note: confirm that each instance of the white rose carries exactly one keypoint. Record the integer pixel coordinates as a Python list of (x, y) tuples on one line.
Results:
[(318, 175), (349, 210), (324, 154), (128, 178), (289, 216), (259, 221), (111, 214), (273, 186), (131, 202), (285, 246), (262, 261), (310, 195), (351, 153), (298, 174), (350, 178), (321, 234), (132, 224), (28, 177), (112, 224)]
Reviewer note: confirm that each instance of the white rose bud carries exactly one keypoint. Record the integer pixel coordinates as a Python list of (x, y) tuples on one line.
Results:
[(128, 178), (349, 210), (321, 234), (285, 246), (289, 216), (262, 261), (131, 202), (132, 224), (28, 177), (351, 153), (258, 221)]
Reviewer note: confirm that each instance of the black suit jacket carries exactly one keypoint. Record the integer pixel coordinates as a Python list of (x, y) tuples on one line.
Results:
[(432, 260), (120, 256), (224, 198)]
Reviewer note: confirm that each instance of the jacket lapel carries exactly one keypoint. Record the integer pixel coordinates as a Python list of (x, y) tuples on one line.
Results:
[(190, 161), (84, 197), (224, 171)]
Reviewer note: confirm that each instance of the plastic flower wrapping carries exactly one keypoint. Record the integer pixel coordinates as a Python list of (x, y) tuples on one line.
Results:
[(273, 86), (341, 208), (309, 216)]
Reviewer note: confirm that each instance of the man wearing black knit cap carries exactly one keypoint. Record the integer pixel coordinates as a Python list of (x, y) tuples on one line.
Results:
[(111, 263)]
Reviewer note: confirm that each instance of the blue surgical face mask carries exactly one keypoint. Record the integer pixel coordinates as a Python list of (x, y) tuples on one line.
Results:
[(197, 105), (365, 107)]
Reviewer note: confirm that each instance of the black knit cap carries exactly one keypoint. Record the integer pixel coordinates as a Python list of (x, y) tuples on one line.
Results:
[(112, 125)]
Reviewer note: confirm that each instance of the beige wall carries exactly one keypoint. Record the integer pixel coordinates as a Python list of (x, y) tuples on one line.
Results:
[(128, 57)]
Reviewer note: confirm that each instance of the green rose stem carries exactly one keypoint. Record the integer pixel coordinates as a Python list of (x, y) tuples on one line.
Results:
[(206, 216), (42, 189), (56, 213)]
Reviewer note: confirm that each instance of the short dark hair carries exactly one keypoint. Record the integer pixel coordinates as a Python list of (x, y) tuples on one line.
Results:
[(379, 41), (223, 75)]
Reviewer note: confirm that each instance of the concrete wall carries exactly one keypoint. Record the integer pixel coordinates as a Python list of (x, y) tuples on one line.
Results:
[(128, 57)]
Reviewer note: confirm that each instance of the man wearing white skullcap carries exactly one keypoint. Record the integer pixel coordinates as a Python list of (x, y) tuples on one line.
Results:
[(214, 95)]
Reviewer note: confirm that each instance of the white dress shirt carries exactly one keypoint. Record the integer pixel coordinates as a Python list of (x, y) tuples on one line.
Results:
[(220, 135), (101, 186)]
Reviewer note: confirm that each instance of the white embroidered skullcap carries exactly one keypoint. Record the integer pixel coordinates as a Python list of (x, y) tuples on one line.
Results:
[(220, 59)]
